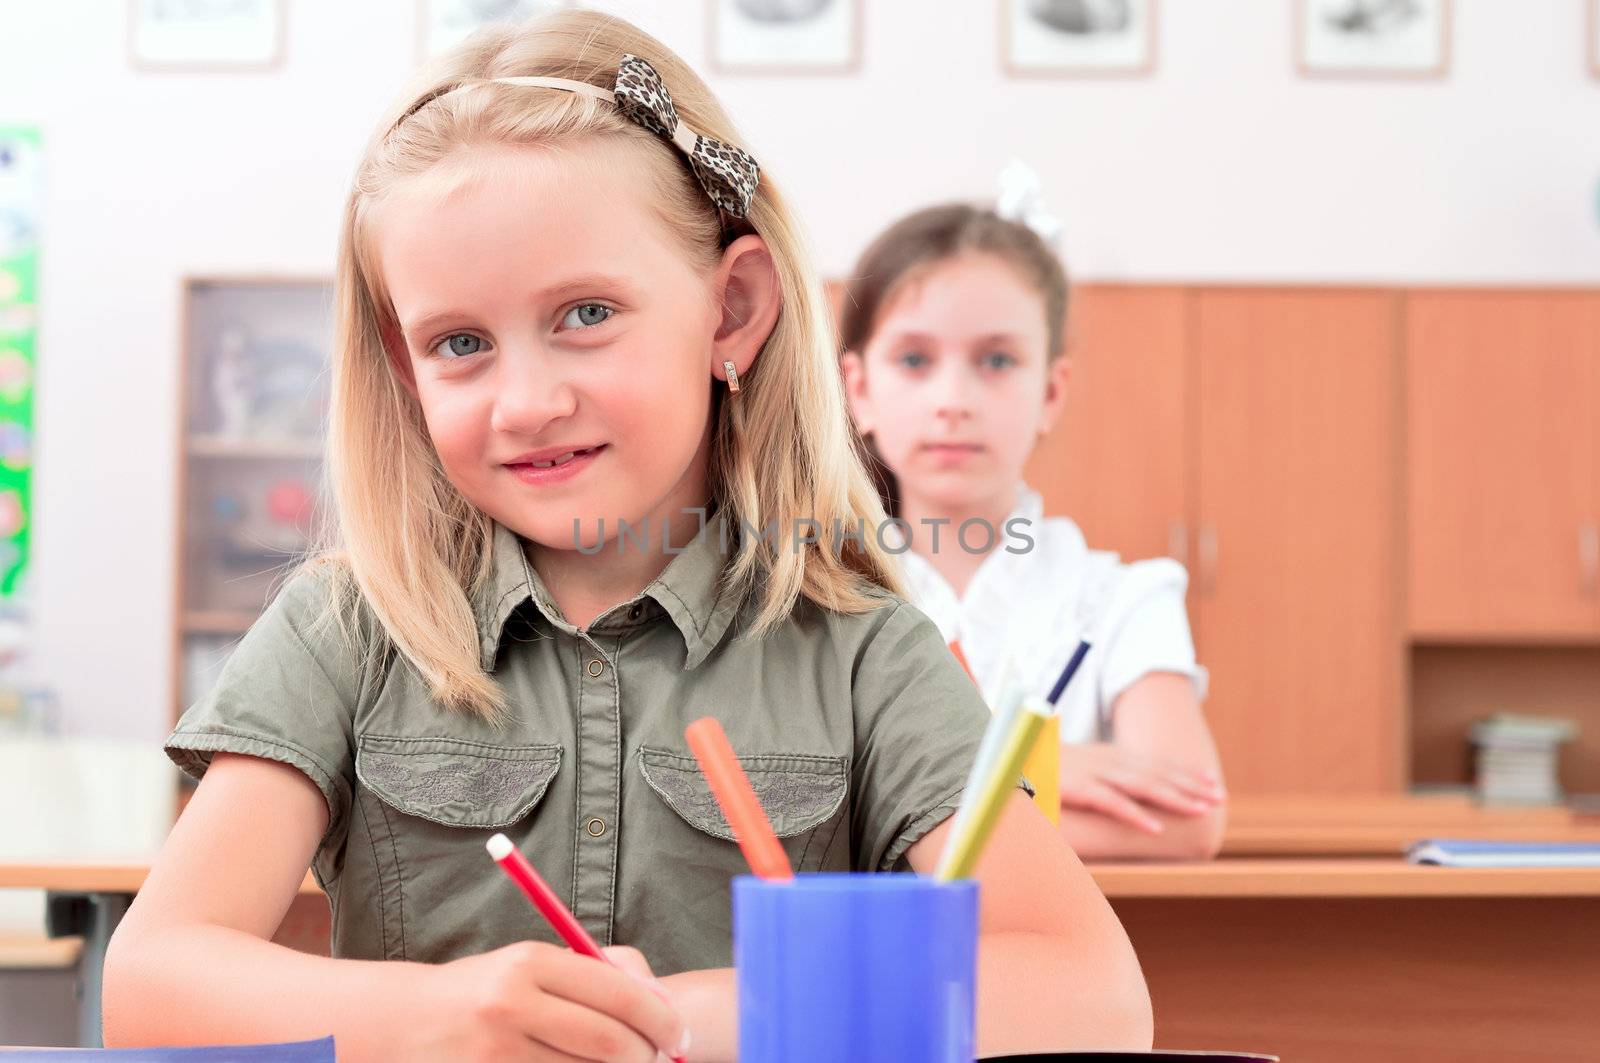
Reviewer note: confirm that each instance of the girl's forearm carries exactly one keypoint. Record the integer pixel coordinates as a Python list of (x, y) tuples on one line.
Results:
[(1039, 993), (1094, 836), (200, 984)]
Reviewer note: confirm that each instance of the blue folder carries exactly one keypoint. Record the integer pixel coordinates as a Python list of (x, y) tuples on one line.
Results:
[(291, 1052), (1452, 852)]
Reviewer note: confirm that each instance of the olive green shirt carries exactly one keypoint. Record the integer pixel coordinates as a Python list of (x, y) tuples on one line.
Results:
[(856, 731)]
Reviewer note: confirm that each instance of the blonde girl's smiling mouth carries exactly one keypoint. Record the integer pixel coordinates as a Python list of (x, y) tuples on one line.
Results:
[(554, 465)]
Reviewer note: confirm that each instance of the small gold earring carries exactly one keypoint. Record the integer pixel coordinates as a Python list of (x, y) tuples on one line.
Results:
[(733, 376)]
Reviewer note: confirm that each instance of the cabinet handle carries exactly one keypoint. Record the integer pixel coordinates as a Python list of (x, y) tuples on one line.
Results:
[(1207, 544), (1178, 541), (1589, 557)]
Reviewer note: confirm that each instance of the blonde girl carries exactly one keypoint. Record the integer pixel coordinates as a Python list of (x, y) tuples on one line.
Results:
[(562, 536)]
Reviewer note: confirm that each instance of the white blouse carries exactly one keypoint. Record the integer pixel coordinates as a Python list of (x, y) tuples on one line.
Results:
[(1036, 605)]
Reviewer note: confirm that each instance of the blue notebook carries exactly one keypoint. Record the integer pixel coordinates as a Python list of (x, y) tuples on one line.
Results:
[(292, 1052), (1451, 852)]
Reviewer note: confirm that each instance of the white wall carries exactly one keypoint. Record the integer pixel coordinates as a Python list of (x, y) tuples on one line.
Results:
[(1222, 165)]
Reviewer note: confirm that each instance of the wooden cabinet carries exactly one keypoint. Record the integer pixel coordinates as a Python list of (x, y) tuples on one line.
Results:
[(1503, 404), (1294, 588), (1117, 461), (1254, 435)]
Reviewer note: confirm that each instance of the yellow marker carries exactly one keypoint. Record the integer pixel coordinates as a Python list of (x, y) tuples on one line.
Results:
[(966, 844), (1042, 768)]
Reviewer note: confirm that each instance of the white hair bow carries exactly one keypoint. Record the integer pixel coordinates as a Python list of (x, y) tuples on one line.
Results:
[(1019, 200)]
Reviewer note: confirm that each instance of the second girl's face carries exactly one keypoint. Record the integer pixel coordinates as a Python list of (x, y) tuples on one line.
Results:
[(953, 385), (558, 339)]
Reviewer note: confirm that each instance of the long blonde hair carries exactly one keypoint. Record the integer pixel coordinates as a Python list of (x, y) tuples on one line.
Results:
[(410, 546)]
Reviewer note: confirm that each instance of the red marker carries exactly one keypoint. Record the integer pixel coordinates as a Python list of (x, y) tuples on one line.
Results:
[(565, 924)]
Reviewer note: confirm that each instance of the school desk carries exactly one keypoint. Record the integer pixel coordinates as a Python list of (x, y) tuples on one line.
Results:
[(1307, 958)]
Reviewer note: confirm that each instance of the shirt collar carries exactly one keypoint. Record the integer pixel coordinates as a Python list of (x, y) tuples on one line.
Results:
[(689, 591), (1029, 507)]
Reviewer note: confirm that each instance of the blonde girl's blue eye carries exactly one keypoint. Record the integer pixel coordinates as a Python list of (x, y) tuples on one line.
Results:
[(912, 360), (587, 315), (459, 345)]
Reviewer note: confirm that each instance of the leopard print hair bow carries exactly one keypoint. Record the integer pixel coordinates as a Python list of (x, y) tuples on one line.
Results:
[(728, 174)]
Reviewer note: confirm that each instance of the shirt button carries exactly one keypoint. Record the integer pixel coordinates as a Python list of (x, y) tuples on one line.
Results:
[(596, 827), (633, 614), (596, 667)]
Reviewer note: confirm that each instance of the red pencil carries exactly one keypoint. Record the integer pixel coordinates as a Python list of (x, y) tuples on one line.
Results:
[(737, 797), (513, 863), (522, 872)]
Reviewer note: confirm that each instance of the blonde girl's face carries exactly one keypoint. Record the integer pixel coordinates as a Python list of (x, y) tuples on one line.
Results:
[(954, 386), (558, 338)]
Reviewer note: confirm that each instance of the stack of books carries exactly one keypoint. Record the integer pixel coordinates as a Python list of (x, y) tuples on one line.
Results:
[(1517, 758)]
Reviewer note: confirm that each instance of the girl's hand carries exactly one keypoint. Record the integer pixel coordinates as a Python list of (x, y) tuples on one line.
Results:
[(1114, 781), (537, 1001)]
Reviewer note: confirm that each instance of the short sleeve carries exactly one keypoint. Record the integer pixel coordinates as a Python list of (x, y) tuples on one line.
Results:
[(1151, 634), (918, 722), (288, 693)]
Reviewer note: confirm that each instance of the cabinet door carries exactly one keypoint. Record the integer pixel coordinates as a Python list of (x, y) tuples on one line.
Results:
[(1115, 461), (1501, 411), (1296, 581)]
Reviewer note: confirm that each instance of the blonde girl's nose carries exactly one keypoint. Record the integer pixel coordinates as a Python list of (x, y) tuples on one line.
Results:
[(529, 393)]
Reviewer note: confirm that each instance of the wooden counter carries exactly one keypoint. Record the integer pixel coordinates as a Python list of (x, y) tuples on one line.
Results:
[(1385, 824)]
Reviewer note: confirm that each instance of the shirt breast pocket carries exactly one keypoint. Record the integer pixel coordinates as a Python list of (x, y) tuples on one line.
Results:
[(803, 795), (427, 805), (455, 783)]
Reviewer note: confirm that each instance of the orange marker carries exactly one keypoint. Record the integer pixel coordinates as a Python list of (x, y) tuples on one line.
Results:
[(737, 798)]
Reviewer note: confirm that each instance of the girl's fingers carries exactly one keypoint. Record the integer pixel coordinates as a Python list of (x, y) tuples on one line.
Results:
[(566, 1031), (1167, 792), (1098, 797), (1193, 784), (637, 1003), (542, 1053), (630, 960), (1196, 785), (1156, 792)]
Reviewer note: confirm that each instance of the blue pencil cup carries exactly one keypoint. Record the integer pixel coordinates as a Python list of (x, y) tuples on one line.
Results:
[(850, 967)]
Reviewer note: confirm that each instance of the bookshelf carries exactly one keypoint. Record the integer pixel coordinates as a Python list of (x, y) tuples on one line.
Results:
[(253, 379)]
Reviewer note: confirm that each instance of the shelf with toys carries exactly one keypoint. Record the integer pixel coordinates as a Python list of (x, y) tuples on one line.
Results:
[(254, 379)]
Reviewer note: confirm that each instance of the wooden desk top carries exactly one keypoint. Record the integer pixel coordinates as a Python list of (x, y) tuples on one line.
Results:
[(1284, 877), (1385, 824)]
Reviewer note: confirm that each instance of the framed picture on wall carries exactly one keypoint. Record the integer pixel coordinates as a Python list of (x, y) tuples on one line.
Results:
[(1372, 38), (1077, 38), (784, 36), (205, 34), (445, 23)]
